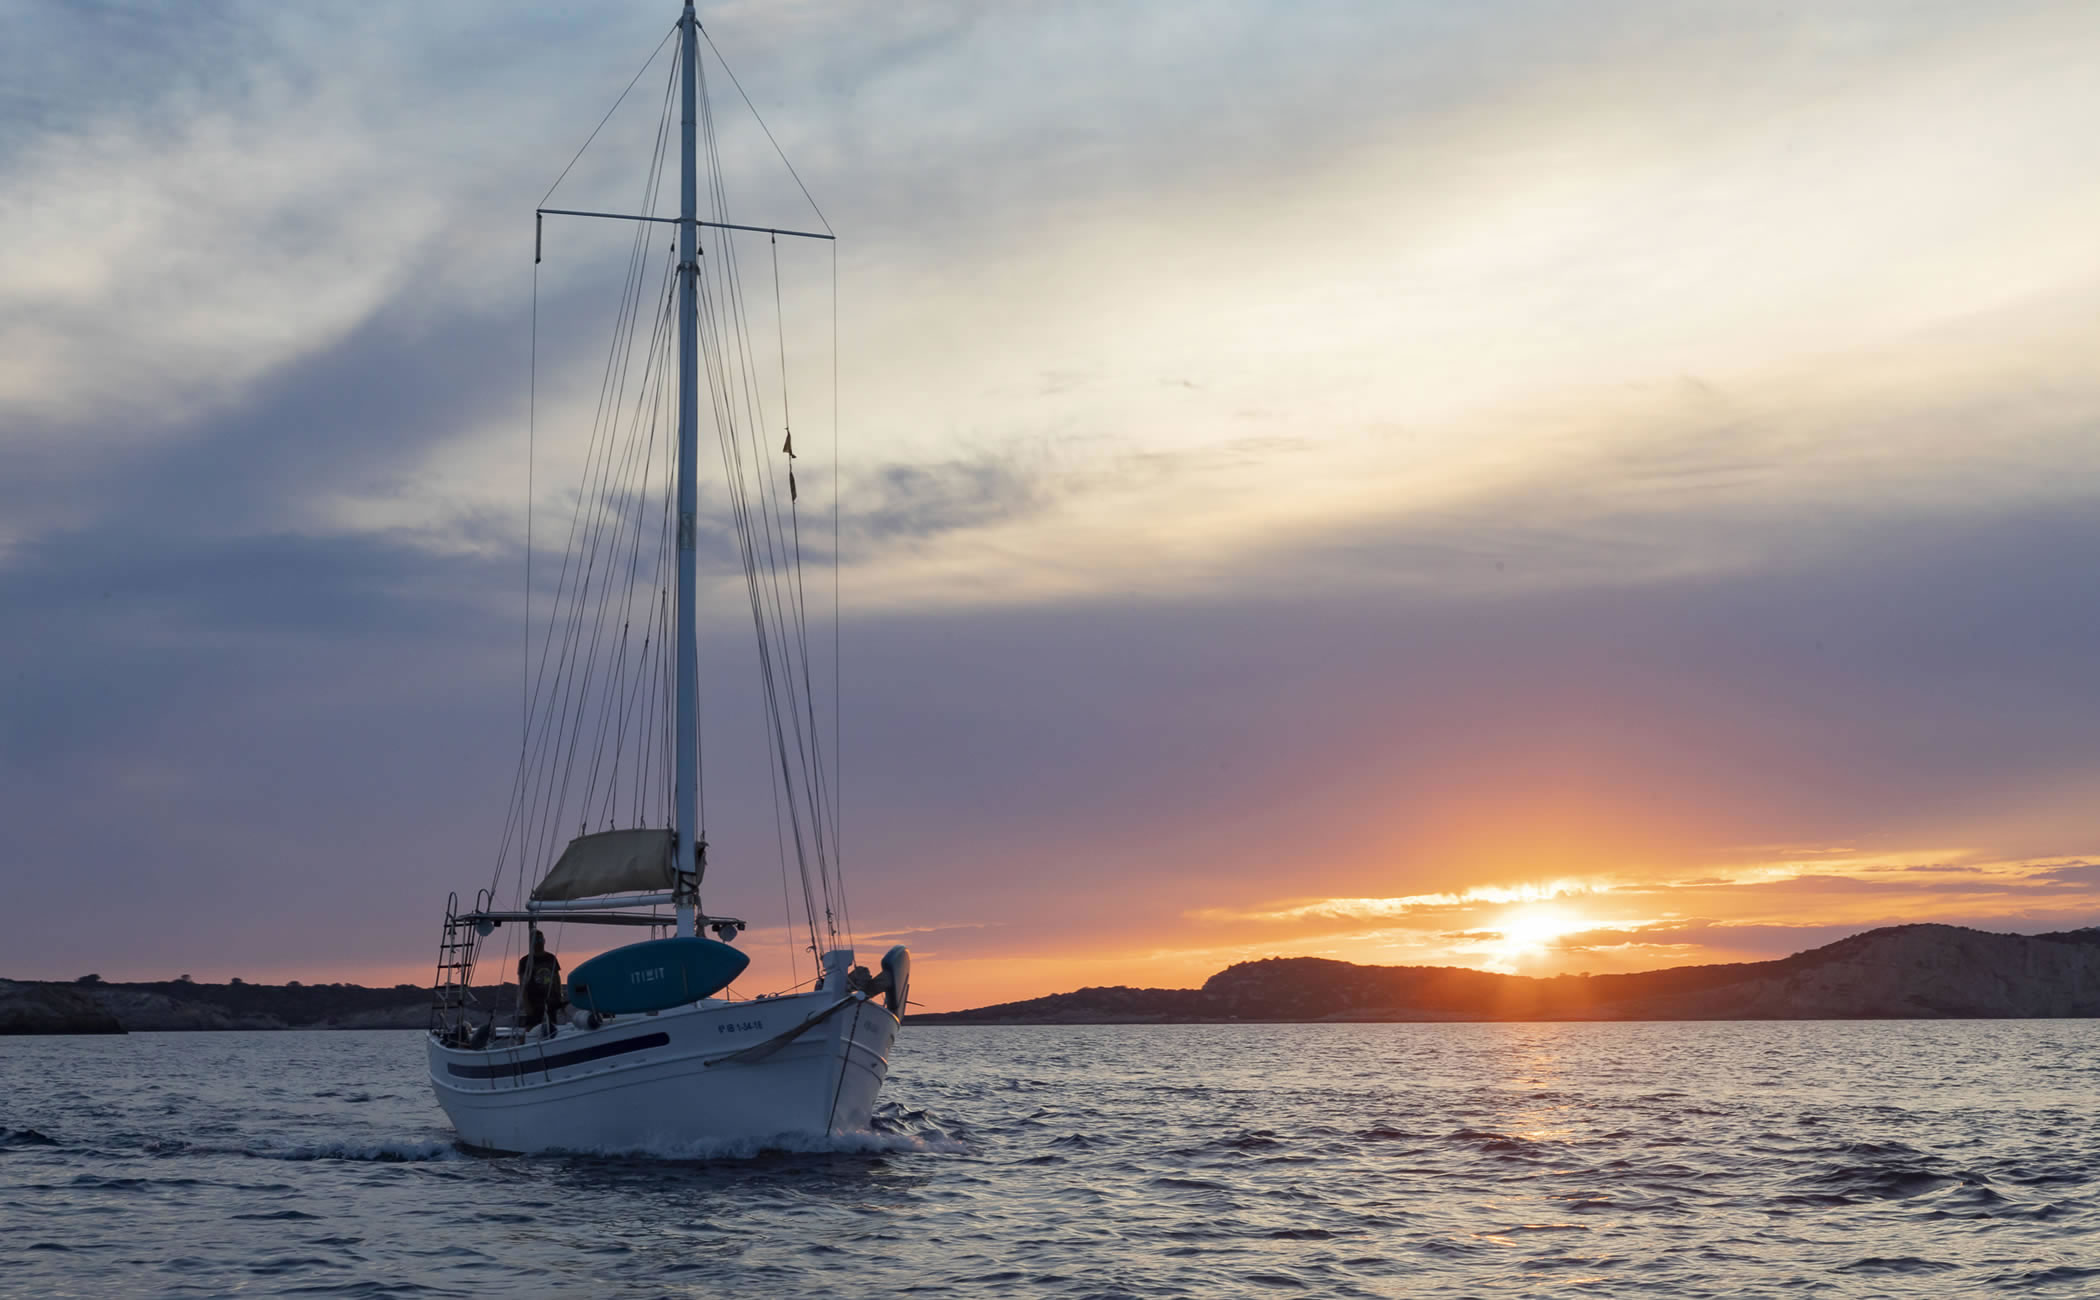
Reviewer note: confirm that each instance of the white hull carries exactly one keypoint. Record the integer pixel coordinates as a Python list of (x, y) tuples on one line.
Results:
[(683, 1080)]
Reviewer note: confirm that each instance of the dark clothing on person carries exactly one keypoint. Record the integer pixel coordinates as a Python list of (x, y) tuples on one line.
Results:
[(539, 982)]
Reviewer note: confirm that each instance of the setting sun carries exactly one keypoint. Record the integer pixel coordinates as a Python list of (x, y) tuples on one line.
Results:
[(1529, 930)]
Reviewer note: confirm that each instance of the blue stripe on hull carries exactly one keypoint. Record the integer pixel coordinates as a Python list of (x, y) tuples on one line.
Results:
[(534, 1065)]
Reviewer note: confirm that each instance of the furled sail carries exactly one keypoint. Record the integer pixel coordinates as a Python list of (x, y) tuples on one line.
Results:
[(610, 862)]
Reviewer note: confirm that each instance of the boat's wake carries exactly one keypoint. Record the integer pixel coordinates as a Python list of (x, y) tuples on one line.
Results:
[(895, 1130), (378, 1152), (410, 1152), (843, 1144), (373, 1152)]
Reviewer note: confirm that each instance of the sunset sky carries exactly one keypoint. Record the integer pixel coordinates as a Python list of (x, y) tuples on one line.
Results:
[(1529, 486)]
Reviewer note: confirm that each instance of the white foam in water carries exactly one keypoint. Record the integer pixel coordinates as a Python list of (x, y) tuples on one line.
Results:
[(376, 1152), (394, 1152), (370, 1152), (860, 1143)]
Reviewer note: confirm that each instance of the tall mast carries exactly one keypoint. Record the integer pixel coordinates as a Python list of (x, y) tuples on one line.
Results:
[(691, 852)]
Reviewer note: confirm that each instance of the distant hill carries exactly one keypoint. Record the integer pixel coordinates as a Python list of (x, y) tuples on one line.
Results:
[(92, 1007), (52, 1009), (1901, 972)]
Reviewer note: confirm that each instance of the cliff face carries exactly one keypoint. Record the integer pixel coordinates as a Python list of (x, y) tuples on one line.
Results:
[(52, 1009), (324, 1009), (139, 1009), (1921, 971), (1118, 1005), (1904, 971), (1901, 972), (40, 1008)]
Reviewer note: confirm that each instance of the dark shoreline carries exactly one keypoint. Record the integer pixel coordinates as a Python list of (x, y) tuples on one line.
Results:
[(1912, 972), (943, 1020), (1909, 972), (101, 1007)]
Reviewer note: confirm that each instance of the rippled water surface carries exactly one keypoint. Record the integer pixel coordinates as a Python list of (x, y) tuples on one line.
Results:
[(1847, 1159)]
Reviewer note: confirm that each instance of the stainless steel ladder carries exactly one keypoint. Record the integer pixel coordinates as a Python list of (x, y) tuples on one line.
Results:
[(452, 991)]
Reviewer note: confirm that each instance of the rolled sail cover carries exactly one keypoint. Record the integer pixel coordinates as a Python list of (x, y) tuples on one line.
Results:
[(654, 974), (610, 862)]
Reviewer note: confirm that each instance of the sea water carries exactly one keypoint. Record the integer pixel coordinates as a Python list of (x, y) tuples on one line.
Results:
[(1830, 1158)]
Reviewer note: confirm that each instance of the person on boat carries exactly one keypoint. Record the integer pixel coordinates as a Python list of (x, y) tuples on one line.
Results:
[(539, 983)]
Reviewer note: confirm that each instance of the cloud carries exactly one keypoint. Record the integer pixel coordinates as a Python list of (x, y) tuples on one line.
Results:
[(1374, 909), (918, 501), (1294, 494)]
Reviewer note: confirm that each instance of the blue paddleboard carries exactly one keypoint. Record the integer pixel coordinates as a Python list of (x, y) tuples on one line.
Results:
[(653, 975)]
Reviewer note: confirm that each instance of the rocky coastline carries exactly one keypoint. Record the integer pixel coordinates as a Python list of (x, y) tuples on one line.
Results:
[(1900, 972), (91, 1006)]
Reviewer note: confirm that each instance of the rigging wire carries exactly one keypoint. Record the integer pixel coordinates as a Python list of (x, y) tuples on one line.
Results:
[(761, 119), (774, 533), (777, 536), (532, 420), (604, 663), (608, 117), (660, 362), (582, 668), (809, 694), (715, 358), (725, 316), (838, 694), (531, 805)]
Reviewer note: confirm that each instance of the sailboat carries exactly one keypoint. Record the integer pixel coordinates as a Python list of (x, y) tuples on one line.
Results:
[(647, 1046)]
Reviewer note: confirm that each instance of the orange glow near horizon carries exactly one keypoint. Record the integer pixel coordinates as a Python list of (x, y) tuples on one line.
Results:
[(1768, 904), (1529, 931)]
